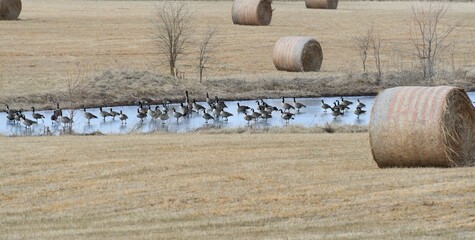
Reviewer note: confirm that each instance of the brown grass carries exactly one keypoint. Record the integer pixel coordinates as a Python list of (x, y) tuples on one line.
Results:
[(238, 186), (45, 46)]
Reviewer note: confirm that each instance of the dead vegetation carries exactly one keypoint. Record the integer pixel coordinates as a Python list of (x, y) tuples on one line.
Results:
[(224, 186)]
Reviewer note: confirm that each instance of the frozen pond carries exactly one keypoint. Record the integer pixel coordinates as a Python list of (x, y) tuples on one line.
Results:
[(312, 115)]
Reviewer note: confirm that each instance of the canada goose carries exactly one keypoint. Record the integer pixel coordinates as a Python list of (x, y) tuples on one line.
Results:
[(248, 118), (264, 103), (286, 106), (177, 115), (197, 107), (89, 115), (342, 105), (113, 113), (142, 109), (286, 115), (59, 112), (11, 118), (336, 112), (123, 118), (266, 115), (242, 108), (255, 115), (18, 116), (298, 105), (27, 122), (225, 115), (360, 104), (65, 120), (185, 111), (156, 114), (141, 115), (216, 111), (220, 103), (164, 116), (209, 100), (104, 114), (9, 111), (36, 116), (325, 106), (346, 102), (260, 107), (358, 112), (207, 116)]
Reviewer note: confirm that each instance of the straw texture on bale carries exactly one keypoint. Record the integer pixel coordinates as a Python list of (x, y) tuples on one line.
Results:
[(423, 127), (10, 9), (321, 4), (252, 12), (298, 54)]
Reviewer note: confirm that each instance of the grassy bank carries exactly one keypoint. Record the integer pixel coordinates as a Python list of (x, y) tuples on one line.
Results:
[(171, 186)]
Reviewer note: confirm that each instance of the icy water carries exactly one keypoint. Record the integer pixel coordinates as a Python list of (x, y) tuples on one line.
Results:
[(312, 115)]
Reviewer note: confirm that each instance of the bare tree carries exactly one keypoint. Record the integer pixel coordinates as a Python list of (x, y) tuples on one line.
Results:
[(429, 34), (376, 42), (204, 50), (173, 31), (363, 43)]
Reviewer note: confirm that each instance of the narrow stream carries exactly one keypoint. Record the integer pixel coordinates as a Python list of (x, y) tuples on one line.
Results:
[(310, 116)]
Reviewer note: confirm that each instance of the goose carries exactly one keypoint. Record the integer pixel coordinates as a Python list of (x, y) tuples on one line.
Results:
[(54, 117), (65, 120), (336, 112), (88, 116), (27, 122), (242, 108), (286, 115), (209, 100), (207, 116), (220, 103), (150, 112), (18, 116), (142, 109), (113, 113), (225, 115), (9, 111), (216, 111), (123, 118), (260, 107), (177, 115), (141, 115), (156, 114), (11, 118), (298, 105), (255, 115), (346, 102), (266, 115), (342, 105), (248, 118), (358, 112), (286, 106), (164, 116), (59, 112), (360, 104), (185, 111), (197, 107), (264, 103), (36, 116), (325, 106), (104, 114)]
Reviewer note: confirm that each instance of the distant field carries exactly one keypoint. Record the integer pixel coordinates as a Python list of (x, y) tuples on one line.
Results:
[(43, 50), (224, 186)]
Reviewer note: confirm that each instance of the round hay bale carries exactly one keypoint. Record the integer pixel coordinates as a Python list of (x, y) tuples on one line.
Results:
[(321, 4), (10, 9), (252, 12), (423, 127), (298, 54)]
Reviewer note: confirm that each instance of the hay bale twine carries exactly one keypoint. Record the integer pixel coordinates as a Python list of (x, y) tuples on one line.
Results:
[(321, 4), (423, 127), (298, 54), (10, 9), (252, 12)]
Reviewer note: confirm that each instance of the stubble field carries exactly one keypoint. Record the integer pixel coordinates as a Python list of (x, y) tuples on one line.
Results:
[(224, 186), (109, 44), (203, 185)]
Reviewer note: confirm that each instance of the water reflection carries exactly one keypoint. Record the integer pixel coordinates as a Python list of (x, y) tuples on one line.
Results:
[(312, 115)]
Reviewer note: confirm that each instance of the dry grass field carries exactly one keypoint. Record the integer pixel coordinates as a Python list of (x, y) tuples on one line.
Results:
[(224, 186), (43, 50)]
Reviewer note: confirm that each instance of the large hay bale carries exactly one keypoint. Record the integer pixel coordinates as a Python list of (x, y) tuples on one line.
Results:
[(10, 9), (321, 4), (252, 12), (423, 127), (298, 54)]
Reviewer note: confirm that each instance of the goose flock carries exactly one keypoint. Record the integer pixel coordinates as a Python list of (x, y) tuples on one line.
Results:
[(212, 109)]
